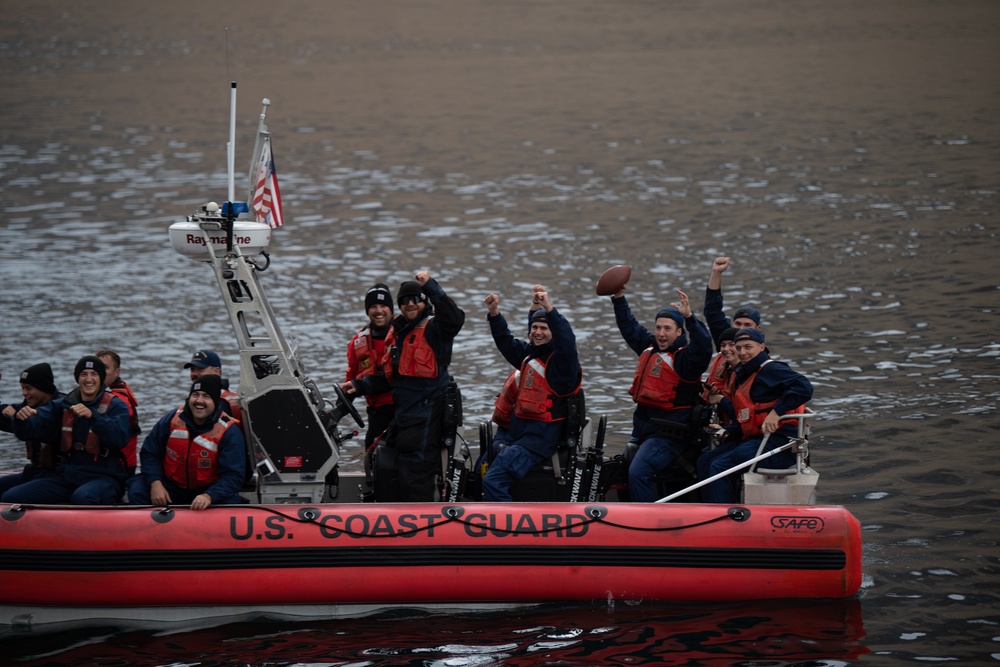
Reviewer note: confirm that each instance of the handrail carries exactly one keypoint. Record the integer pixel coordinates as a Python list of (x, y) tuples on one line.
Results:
[(796, 442), (740, 466), (801, 437)]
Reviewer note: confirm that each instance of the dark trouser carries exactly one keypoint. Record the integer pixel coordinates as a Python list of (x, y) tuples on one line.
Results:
[(379, 419), (30, 472), (417, 440), (531, 441), (73, 486), (722, 458), (511, 464), (655, 455)]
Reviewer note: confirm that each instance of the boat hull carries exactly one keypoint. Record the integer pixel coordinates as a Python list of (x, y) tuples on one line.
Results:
[(400, 554)]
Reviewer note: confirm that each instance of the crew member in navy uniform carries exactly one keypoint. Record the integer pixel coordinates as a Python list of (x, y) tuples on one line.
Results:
[(550, 377), (38, 389), (193, 455), (207, 362), (364, 354), (765, 390), (503, 405), (666, 387), (91, 425), (415, 368)]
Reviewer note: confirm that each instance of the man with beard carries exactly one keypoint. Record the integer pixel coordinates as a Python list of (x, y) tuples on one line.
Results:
[(38, 389), (666, 386), (194, 455), (550, 376), (764, 391), (91, 425), (207, 362), (415, 369), (364, 354)]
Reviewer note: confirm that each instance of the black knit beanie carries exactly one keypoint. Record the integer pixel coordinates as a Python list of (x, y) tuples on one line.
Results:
[(410, 288), (728, 334), (40, 377), (378, 294), (211, 385), (92, 362)]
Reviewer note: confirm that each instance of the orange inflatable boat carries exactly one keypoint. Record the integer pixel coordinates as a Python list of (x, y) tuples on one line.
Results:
[(398, 554)]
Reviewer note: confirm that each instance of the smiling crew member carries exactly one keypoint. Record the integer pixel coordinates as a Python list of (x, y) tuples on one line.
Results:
[(207, 362), (503, 405), (720, 375), (550, 377), (765, 390), (91, 425), (415, 368), (364, 354), (194, 455), (666, 386), (38, 389)]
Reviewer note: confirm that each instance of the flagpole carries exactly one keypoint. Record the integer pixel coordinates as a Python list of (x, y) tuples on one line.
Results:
[(232, 143), (255, 156)]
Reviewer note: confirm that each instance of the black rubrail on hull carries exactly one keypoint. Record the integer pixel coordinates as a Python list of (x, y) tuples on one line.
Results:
[(416, 556)]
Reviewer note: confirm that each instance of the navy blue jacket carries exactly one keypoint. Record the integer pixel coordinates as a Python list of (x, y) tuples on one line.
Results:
[(776, 381), (563, 369), (7, 424), (715, 317), (111, 427)]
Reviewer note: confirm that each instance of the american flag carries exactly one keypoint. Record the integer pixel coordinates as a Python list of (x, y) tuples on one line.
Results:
[(266, 196)]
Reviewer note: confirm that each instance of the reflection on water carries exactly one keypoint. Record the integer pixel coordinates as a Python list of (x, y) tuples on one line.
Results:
[(845, 157), (780, 633)]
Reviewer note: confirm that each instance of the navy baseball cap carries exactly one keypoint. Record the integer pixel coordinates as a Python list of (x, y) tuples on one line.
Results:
[(755, 335), (748, 312), (204, 359)]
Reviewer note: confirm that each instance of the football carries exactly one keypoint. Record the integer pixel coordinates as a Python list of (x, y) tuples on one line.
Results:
[(613, 279)]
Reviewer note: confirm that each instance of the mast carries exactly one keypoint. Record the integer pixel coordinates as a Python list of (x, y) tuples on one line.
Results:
[(258, 147), (232, 143)]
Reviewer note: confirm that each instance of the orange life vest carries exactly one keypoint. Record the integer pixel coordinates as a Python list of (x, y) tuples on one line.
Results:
[(367, 352), (506, 400), (535, 398), (416, 358), (233, 399), (721, 377), (124, 392), (193, 462), (657, 385), (751, 415), (93, 443)]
